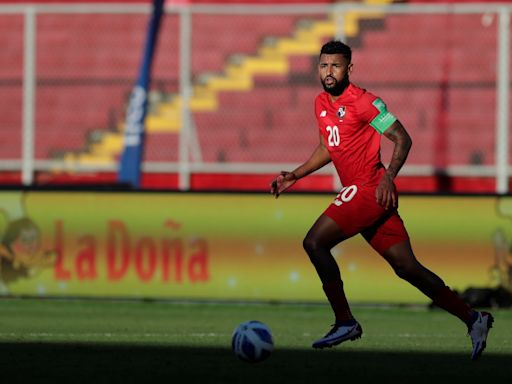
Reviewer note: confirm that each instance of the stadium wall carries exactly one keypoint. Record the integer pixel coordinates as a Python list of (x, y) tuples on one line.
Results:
[(227, 246), (221, 182)]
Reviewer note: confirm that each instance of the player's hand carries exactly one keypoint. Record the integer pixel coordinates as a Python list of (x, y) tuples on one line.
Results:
[(386, 194), (282, 182)]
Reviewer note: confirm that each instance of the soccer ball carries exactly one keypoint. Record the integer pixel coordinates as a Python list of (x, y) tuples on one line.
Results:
[(252, 341)]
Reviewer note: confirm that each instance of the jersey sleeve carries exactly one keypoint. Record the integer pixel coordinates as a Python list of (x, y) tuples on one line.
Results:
[(376, 114), (319, 111)]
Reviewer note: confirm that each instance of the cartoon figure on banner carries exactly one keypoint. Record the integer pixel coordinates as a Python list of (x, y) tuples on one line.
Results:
[(21, 255), (502, 270)]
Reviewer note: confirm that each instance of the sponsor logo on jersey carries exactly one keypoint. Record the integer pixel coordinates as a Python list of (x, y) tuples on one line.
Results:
[(341, 112), (323, 113)]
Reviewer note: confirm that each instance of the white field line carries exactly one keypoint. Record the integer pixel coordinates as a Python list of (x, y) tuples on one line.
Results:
[(417, 335), (4, 335), (109, 335)]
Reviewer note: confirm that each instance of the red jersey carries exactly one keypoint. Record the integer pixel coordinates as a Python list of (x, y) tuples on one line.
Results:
[(352, 127)]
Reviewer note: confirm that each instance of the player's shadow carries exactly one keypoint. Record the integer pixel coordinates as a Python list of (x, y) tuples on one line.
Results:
[(107, 363)]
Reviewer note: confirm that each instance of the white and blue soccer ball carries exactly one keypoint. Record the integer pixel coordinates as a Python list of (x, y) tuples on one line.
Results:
[(252, 341)]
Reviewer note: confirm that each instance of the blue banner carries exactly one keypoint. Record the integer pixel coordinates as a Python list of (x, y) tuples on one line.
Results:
[(131, 159)]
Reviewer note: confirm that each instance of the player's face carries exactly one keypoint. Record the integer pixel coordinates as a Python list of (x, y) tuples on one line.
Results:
[(334, 71)]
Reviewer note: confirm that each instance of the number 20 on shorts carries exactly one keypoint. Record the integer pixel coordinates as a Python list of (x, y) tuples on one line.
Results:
[(346, 194)]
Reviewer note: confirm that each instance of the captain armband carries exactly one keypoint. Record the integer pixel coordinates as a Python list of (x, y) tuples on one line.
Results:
[(384, 119)]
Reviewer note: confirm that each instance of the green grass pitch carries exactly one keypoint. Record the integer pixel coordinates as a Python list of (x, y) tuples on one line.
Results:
[(133, 341)]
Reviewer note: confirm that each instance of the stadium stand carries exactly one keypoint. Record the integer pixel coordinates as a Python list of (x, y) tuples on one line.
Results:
[(232, 78), (274, 115), (276, 49)]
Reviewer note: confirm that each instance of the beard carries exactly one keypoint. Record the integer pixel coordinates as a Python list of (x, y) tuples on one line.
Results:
[(336, 88)]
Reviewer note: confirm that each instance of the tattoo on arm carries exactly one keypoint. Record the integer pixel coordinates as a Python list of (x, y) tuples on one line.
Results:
[(399, 136)]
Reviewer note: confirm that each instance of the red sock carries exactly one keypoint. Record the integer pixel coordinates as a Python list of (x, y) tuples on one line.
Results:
[(451, 302), (336, 296)]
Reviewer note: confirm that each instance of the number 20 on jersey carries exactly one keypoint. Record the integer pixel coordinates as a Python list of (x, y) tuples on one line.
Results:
[(334, 136)]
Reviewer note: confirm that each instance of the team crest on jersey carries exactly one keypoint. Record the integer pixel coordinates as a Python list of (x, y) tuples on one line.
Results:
[(341, 112)]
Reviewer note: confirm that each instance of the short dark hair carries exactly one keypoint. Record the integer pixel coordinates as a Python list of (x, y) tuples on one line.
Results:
[(334, 47)]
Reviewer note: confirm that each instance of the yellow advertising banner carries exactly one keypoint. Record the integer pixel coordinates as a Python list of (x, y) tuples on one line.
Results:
[(232, 246)]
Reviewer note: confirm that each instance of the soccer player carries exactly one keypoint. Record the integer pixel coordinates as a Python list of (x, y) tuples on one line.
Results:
[(351, 122)]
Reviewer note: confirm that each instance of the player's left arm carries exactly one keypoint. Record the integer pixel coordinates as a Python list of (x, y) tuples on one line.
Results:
[(386, 191)]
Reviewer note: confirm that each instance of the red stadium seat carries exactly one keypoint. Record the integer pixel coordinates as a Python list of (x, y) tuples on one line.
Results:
[(84, 76)]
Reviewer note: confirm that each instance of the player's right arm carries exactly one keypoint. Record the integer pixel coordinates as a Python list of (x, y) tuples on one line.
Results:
[(317, 160)]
